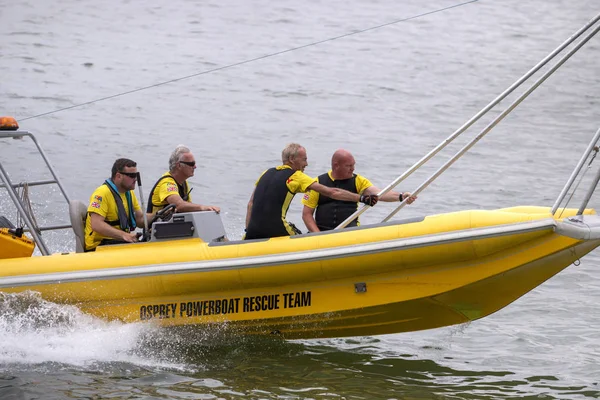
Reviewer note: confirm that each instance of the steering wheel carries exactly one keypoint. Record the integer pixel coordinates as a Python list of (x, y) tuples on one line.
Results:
[(165, 214)]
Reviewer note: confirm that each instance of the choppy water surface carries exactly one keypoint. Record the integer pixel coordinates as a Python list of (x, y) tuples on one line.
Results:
[(389, 95)]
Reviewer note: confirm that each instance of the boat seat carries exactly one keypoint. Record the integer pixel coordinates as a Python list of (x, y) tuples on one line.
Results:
[(78, 214)]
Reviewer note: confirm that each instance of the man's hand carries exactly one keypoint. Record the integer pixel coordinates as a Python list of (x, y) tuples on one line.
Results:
[(409, 195), (369, 199), (129, 237), (211, 208)]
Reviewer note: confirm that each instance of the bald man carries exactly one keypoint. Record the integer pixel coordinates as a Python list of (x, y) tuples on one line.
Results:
[(275, 189), (330, 212)]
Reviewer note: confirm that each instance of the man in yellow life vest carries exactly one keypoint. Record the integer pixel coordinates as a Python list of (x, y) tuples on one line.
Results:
[(275, 189), (173, 188), (331, 212), (114, 212)]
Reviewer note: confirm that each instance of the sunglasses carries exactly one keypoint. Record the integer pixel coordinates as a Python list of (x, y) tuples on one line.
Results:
[(132, 175), (189, 163)]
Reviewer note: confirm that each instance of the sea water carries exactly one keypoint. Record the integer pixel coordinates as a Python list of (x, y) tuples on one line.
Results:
[(389, 95)]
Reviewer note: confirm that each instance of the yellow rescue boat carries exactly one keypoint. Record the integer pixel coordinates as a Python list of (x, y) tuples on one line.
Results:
[(390, 277), (396, 277)]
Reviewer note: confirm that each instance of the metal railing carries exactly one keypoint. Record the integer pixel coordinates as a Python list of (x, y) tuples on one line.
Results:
[(32, 228), (481, 113)]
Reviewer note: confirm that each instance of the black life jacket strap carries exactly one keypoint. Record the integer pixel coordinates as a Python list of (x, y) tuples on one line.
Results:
[(183, 191)]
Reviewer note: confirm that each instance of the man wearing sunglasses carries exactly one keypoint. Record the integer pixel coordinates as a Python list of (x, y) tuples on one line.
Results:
[(114, 211), (173, 188)]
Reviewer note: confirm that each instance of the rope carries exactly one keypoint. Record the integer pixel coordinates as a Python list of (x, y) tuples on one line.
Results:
[(23, 194), (252, 60)]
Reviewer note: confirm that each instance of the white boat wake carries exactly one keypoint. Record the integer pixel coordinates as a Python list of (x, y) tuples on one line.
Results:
[(38, 332)]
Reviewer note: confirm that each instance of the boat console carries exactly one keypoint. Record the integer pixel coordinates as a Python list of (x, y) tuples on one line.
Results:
[(206, 225)]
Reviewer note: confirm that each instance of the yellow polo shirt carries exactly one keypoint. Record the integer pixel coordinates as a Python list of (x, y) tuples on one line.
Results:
[(298, 182), (311, 199), (102, 202), (164, 189)]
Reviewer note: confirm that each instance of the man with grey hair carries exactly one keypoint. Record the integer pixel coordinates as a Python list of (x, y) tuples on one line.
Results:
[(275, 189), (173, 188)]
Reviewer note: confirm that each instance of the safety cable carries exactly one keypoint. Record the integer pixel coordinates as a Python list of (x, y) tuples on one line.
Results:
[(251, 60), (589, 166)]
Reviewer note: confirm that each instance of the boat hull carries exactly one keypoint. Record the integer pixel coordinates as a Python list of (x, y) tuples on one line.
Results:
[(439, 271)]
